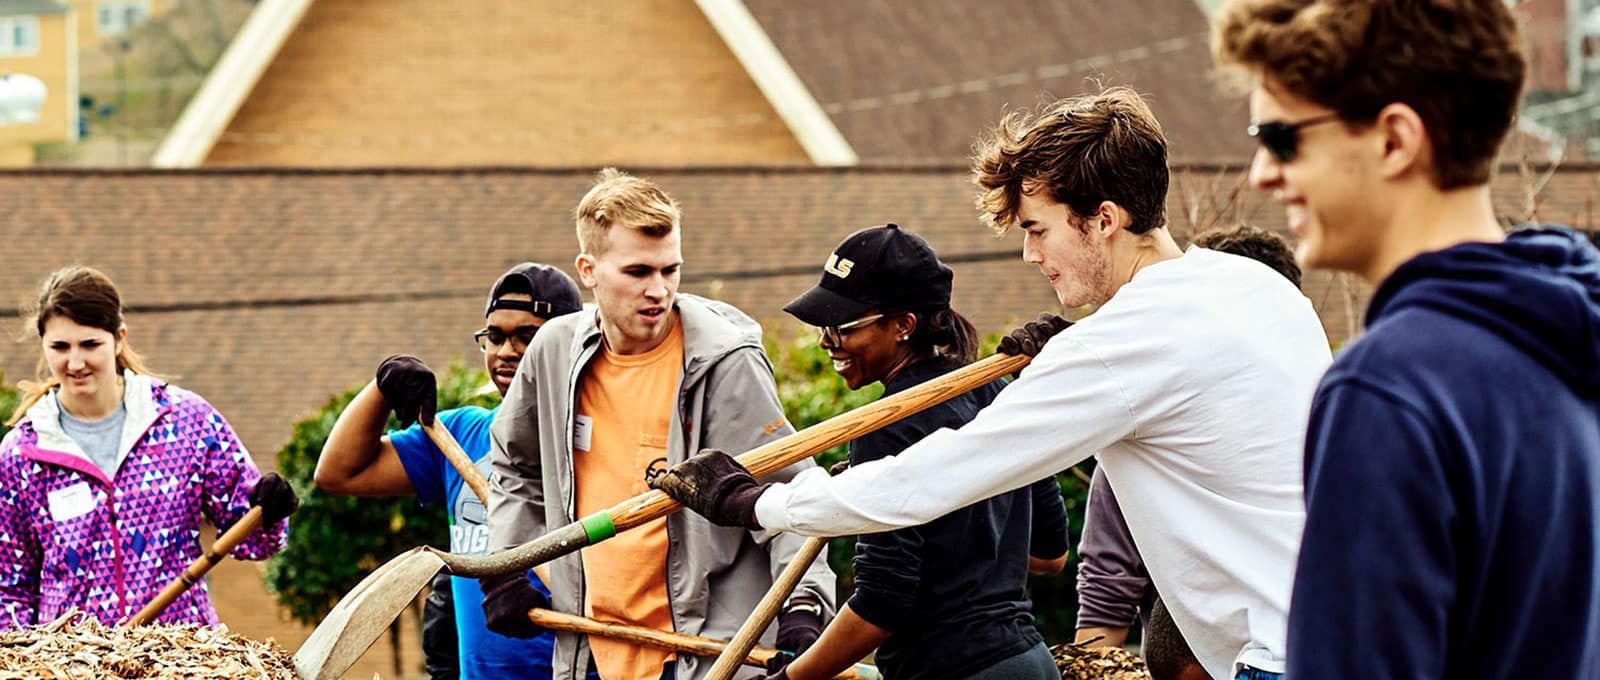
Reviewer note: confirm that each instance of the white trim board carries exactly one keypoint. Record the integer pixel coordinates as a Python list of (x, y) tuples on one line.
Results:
[(229, 83), (761, 59)]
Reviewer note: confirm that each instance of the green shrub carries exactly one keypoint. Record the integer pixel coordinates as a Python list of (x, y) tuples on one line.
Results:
[(9, 398)]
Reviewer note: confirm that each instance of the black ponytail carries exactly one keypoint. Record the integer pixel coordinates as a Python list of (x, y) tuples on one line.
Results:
[(945, 332)]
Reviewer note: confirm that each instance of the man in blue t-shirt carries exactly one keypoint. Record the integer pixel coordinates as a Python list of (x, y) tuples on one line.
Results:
[(359, 459)]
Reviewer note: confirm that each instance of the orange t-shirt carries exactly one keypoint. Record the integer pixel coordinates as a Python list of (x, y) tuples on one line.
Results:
[(625, 407)]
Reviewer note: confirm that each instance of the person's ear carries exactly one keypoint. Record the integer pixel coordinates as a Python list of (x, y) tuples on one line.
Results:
[(904, 326), (1404, 139), (584, 263), (1110, 218)]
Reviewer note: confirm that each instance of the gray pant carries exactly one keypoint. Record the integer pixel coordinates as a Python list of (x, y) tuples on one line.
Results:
[(1034, 664)]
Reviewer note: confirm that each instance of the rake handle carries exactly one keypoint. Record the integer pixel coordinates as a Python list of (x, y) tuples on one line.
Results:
[(761, 461), (766, 610), (452, 452), (659, 639), (197, 569)]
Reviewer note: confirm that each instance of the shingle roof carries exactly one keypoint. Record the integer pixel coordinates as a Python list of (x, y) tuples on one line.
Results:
[(915, 81)]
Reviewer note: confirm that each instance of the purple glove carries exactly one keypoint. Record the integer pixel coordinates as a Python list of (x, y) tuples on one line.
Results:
[(408, 387), (276, 498), (716, 486), (1032, 336), (506, 601)]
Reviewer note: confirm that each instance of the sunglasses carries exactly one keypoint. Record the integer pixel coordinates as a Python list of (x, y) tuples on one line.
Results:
[(833, 335), (1281, 139)]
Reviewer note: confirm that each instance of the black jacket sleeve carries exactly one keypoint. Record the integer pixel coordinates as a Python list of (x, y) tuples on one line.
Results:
[(888, 565), (1049, 537)]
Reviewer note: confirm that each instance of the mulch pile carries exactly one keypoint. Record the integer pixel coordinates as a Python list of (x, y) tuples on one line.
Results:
[(1078, 662), (77, 646)]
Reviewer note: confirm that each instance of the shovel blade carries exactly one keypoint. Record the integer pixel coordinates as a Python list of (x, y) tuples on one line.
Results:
[(364, 614)]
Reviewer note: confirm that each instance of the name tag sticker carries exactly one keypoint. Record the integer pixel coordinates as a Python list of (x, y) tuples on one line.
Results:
[(71, 503), (582, 433)]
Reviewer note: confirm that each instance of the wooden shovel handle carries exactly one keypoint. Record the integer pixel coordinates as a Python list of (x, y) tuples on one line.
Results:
[(762, 460), (659, 639), (769, 458), (192, 574), (766, 610), (452, 452)]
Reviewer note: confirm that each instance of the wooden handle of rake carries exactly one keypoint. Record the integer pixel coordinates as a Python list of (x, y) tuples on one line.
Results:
[(192, 574), (766, 610), (761, 461), (676, 642), (452, 452)]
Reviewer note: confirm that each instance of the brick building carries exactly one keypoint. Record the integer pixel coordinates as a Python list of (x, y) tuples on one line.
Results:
[(38, 38)]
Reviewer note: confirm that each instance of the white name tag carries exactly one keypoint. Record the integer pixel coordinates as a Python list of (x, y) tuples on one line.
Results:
[(582, 433), (71, 503)]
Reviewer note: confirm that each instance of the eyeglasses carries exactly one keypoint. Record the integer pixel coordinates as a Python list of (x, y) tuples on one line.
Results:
[(1281, 139), (833, 335), (491, 339)]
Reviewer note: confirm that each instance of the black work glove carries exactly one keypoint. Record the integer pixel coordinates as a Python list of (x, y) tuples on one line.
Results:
[(783, 672), (798, 629), (276, 498), (409, 388), (716, 486), (506, 601), (1030, 338)]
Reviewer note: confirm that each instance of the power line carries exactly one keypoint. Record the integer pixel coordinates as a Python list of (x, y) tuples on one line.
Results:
[(455, 293)]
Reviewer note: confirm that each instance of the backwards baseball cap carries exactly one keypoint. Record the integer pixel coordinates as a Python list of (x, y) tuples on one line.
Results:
[(553, 292), (876, 268)]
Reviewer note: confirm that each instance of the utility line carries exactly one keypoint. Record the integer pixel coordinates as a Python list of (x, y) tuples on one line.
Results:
[(454, 293)]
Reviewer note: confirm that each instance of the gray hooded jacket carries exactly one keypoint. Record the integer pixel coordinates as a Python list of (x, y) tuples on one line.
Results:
[(726, 400)]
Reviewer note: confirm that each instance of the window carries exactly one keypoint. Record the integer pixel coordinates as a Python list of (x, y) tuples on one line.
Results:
[(115, 17), (19, 36)]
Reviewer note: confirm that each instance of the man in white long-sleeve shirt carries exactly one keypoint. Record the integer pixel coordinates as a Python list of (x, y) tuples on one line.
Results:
[(1192, 383)]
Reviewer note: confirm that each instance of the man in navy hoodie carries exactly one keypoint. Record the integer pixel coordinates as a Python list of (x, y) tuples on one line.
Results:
[(1452, 471)]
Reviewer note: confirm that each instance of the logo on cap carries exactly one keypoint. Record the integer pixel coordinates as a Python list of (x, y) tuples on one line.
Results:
[(838, 266)]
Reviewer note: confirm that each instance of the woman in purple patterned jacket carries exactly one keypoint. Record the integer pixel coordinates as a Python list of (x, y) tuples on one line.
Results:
[(109, 470)]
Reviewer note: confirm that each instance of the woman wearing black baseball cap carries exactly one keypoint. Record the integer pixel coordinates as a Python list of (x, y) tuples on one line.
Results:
[(944, 599)]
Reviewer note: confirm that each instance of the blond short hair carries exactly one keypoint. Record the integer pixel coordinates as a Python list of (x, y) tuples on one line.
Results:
[(619, 199)]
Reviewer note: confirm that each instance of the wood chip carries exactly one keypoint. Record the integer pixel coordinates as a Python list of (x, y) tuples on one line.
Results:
[(1080, 662), (76, 646)]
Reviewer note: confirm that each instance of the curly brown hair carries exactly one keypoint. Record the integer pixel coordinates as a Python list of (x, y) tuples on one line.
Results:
[(1458, 63), (1255, 243), (1079, 151)]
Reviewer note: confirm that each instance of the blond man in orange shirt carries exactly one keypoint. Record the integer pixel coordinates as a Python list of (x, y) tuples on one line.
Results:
[(606, 398)]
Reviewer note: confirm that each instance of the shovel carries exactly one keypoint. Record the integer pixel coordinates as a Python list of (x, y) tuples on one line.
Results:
[(192, 574), (676, 642), (364, 614)]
